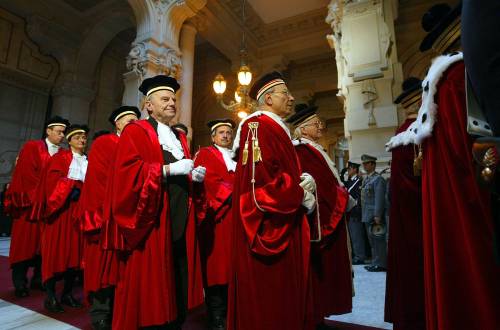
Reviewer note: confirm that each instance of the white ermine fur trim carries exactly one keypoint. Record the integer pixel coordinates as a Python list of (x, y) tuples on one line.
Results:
[(422, 127)]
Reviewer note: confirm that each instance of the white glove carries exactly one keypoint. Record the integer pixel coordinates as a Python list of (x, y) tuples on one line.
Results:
[(181, 167), (307, 182), (309, 201), (351, 203), (198, 174)]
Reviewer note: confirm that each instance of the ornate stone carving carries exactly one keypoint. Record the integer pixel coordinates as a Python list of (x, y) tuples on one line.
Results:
[(145, 62)]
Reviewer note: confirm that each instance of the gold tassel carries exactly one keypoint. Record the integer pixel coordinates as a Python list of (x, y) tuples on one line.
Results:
[(245, 153), (417, 161), (257, 156)]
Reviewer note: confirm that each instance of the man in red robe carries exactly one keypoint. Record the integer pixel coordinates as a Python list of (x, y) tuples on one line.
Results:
[(213, 212), (460, 277), (404, 298), (151, 220), (331, 273), (61, 240), (19, 199), (100, 266), (270, 255)]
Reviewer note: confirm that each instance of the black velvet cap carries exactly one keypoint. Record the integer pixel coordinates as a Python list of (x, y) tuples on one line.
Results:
[(75, 129), (213, 124), (57, 121), (264, 83), (436, 20), (411, 86), (302, 113), (157, 83), (123, 111)]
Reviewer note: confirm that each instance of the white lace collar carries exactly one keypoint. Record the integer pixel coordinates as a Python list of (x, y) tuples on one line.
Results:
[(78, 167), (169, 141), (227, 156)]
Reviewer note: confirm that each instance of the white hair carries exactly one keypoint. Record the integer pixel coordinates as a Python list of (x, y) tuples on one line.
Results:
[(262, 99)]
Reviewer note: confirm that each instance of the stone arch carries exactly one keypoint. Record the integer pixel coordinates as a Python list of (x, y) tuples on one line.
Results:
[(97, 38)]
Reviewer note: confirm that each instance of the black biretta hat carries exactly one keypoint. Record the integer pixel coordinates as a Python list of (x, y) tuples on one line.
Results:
[(75, 129), (412, 90), (436, 20), (123, 111), (213, 124), (57, 121), (302, 113), (264, 83), (158, 83)]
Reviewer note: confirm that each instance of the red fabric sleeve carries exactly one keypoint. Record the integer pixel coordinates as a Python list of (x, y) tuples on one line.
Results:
[(137, 188), (277, 191), (332, 198), (100, 158), (57, 186), (26, 176), (212, 194)]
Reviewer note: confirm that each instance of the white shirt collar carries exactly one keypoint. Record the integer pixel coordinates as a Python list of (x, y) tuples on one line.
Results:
[(53, 148), (227, 156)]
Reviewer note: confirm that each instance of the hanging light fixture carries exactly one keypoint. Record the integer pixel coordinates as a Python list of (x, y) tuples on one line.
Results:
[(242, 102)]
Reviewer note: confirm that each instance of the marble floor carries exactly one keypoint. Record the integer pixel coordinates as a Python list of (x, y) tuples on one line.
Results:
[(368, 304)]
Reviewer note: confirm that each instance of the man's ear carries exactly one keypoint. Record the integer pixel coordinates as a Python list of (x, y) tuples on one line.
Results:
[(269, 100)]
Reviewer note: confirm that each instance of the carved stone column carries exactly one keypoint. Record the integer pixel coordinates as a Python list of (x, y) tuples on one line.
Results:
[(188, 35), (156, 47), (72, 100), (368, 68)]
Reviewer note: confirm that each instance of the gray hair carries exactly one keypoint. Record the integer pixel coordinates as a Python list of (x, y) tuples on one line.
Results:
[(262, 99), (297, 133)]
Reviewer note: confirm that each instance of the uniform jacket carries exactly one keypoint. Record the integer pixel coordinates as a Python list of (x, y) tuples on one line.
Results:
[(372, 197), (354, 188)]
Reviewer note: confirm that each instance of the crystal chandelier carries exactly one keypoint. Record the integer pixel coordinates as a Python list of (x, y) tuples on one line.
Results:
[(242, 103)]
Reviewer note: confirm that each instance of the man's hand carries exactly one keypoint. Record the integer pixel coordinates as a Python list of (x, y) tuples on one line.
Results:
[(198, 174), (309, 201), (307, 182), (180, 167)]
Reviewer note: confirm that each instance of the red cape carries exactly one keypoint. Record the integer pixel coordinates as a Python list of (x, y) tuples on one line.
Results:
[(100, 266), (61, 243), (214, 216), (331, 276), (462, 287), (404, 299), (139, 226), (270, 254), (25, 242)]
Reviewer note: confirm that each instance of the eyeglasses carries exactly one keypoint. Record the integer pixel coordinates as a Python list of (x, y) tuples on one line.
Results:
[(284, 92), (318, 124)]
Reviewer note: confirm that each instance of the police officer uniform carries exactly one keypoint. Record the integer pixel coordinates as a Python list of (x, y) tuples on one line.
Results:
[(373, 205)]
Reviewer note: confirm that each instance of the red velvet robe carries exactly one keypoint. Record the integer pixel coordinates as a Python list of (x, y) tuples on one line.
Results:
[(331, 273), (61, 243), (19, 199), (270, 254), (462, 287), (214, 216), (139, 226), (100, 266), (404, 299)]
